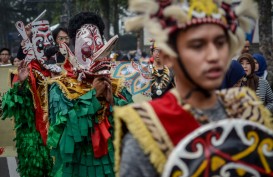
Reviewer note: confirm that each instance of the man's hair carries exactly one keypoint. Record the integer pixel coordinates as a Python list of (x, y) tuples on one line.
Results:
[(82, 18), (1, 50), (56, 31)]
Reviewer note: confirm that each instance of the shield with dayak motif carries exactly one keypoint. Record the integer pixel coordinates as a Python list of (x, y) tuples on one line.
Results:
[(227, 148)]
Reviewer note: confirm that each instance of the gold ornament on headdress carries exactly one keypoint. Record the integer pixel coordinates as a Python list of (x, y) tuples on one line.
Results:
[(203, 6)]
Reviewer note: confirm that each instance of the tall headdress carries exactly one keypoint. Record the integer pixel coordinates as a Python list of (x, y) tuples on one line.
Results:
[(163, 17)]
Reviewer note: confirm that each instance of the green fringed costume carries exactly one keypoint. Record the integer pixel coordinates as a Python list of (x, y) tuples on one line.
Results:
[(34, 157), (74, 118)]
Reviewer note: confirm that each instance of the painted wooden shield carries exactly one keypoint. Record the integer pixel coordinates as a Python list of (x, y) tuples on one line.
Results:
[(227, 148)]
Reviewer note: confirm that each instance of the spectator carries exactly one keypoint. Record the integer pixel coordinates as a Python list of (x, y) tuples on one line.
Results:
[(259, 85), (246, 47), (15, 61), (60, 34), (5, 57), (234, 75), (261, 69)]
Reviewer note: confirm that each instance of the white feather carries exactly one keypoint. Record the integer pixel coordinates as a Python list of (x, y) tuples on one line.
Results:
[(245, 23), (233, 44), (145, 6), (241, 38), (176, 12), (134, 23), (247, 8), (167, 49)]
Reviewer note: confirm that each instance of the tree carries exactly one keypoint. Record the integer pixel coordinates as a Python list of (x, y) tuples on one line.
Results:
[(10, 11), (26, 11), (265, 30)]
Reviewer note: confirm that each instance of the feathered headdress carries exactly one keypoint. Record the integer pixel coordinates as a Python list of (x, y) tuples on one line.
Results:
[(162, 17)]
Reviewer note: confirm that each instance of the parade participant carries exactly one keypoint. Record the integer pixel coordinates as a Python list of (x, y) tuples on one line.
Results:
[(198, 39), (162, 77), (81, 122), (27, 102)]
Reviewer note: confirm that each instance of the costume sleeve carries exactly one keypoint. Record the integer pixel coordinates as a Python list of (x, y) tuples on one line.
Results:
[(123, 98), (268, 97), (140, 166), (33, 156)]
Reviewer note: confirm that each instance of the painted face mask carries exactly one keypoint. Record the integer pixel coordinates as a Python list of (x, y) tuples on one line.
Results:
[(42, 43), (91, 53)]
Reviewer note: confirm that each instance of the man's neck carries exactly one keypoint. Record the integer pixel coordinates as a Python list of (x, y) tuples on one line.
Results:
[(197, 98)]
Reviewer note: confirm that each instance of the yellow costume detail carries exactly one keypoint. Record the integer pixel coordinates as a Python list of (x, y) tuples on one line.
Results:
[(202, 6)]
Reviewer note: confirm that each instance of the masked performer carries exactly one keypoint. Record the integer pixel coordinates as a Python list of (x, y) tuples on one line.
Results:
[(27, 102), (198, 38), (81, 122), (162, 76)]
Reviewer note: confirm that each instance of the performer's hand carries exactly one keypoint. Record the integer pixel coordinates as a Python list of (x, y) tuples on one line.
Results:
[(108, 91), (23, 72), (99, 86)]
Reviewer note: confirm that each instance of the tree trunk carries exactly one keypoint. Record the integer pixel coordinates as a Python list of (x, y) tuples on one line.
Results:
[(105, 7), (265, 31), (116, 16)]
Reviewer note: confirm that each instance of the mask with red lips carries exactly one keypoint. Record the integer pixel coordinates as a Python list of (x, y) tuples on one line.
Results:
[(92, 53), (41, 40)]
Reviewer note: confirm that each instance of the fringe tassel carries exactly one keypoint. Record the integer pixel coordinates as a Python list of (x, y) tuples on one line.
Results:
[(140, 133)]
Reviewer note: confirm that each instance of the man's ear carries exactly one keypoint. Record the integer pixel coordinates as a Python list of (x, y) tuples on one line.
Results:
[(167, 59)]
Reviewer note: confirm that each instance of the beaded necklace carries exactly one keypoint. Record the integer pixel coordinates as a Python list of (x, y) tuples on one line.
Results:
[(160, 81)]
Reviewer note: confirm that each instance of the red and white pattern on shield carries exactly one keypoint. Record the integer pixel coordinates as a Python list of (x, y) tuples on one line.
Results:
[(231, 147)]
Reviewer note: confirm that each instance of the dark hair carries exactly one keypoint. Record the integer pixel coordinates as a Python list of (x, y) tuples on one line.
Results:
[(5, 49), (82, 18), (248, 58), (12, 60), (144, 54), (252, 80), (56, 31)]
